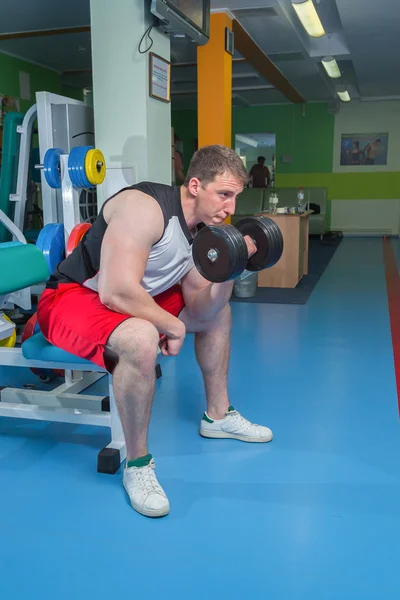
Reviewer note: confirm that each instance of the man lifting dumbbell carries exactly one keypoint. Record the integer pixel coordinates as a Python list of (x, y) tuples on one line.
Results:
[(131, 285)]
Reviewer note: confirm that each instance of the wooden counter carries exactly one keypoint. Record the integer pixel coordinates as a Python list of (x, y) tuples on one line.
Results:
[(293, 263)]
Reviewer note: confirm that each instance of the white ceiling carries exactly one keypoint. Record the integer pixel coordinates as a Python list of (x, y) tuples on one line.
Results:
[(363, 35)]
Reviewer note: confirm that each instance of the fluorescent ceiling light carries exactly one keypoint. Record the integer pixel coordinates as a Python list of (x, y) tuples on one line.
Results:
[(246, 140), (309, 18), (331, 67), (344, 96)]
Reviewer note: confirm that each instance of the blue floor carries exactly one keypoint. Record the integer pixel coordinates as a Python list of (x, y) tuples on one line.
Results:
[(313, 515)]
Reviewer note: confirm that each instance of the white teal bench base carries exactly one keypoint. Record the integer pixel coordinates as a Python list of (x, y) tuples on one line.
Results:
[(66, 403)]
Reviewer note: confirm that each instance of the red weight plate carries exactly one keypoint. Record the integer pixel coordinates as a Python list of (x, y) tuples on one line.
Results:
[(76, 235)]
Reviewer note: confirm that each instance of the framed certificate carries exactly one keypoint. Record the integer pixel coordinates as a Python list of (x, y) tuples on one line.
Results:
[(159, 77)]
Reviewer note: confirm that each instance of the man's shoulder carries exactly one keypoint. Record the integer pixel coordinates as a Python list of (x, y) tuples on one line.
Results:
[(165, 187)]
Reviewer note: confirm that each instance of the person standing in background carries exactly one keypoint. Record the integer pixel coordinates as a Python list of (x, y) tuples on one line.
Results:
[(259, 174)]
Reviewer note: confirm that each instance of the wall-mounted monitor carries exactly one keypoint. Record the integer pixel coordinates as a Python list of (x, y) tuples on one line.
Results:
[(189, 17)]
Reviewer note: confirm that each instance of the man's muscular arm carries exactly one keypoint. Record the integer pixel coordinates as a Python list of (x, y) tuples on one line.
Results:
[(204, 300), (134, 225)]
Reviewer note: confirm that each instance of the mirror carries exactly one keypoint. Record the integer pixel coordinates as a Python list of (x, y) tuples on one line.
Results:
[(254, 146)]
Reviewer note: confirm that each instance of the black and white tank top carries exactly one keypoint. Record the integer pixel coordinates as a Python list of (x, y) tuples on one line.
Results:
[(169, 260)]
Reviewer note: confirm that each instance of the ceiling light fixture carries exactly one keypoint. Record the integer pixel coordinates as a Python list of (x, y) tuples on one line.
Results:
[(309, 18), (344, 96), (331, 67)]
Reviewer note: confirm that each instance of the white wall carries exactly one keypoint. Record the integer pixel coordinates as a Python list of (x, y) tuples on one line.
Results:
[(369, 117), (132, 129), (366, 217)]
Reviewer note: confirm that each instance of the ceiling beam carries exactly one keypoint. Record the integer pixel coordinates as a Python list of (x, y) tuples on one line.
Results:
[(194, 64), (43, 32), (240, 88), (253, 54)]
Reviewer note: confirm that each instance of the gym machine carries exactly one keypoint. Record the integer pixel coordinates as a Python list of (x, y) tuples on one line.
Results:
[(23, 265)]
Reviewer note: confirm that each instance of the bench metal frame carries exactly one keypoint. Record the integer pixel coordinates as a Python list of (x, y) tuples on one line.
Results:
[(65, 403)]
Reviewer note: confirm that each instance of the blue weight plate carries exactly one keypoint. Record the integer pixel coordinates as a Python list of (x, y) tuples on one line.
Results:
[(86, 182), (82, 156), (51, 167), (72, 167), (76, 166), (51, 242)]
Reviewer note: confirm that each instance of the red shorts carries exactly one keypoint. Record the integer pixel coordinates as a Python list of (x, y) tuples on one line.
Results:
[(72, 318)]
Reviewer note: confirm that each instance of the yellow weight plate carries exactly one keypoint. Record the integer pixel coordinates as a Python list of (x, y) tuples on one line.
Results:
[(95, 166), (11, 340)]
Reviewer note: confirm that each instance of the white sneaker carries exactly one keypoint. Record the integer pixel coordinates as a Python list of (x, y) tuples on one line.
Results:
[(145, 493), (234, 426)]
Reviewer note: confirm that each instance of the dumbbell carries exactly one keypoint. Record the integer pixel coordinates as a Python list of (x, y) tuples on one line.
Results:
[(220, 252)]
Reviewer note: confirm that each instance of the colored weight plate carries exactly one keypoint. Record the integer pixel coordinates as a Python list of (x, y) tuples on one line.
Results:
[(268, 239), (230, 248), (52, 243), (51, 167), (76, 166), (82, 162), (76, 235), (11, 340), (95, 166)]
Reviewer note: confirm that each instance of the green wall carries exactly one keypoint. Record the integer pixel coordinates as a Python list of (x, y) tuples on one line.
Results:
[(41, 80), (306, 136)]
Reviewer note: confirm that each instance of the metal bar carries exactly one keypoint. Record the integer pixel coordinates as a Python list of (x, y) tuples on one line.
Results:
[(70, 196), (55, 415), (12, 228), (43, 32), (50, 399), (23, 166), (78, 385)]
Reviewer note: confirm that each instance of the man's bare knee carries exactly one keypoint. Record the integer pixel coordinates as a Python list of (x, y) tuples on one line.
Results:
[(222, 320), (135, 342)]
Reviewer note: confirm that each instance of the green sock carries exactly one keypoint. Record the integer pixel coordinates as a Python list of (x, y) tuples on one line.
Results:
[(141, 461)]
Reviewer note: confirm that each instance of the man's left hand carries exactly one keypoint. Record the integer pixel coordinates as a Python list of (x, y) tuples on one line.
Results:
[(251, 247)]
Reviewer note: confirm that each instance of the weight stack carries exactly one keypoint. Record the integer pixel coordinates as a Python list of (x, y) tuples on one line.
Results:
[(246, 288)]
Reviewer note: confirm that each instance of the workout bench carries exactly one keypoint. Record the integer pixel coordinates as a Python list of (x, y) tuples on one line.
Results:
[(23, 265)]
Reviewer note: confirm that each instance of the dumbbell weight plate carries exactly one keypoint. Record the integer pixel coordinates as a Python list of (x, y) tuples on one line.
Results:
[(268, 238), (231, 251)]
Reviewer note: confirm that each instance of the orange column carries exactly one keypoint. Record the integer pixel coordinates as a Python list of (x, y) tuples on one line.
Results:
[(214, 85)]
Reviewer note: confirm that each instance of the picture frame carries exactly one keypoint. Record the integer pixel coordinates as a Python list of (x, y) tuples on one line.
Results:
[(364, 149), (159, 78)]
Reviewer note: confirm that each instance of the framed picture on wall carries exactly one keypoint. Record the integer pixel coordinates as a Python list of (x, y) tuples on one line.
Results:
[(364, 149), (159, 77)]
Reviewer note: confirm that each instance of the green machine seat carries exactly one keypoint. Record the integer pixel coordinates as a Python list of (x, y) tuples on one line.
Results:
[(21, 265)]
